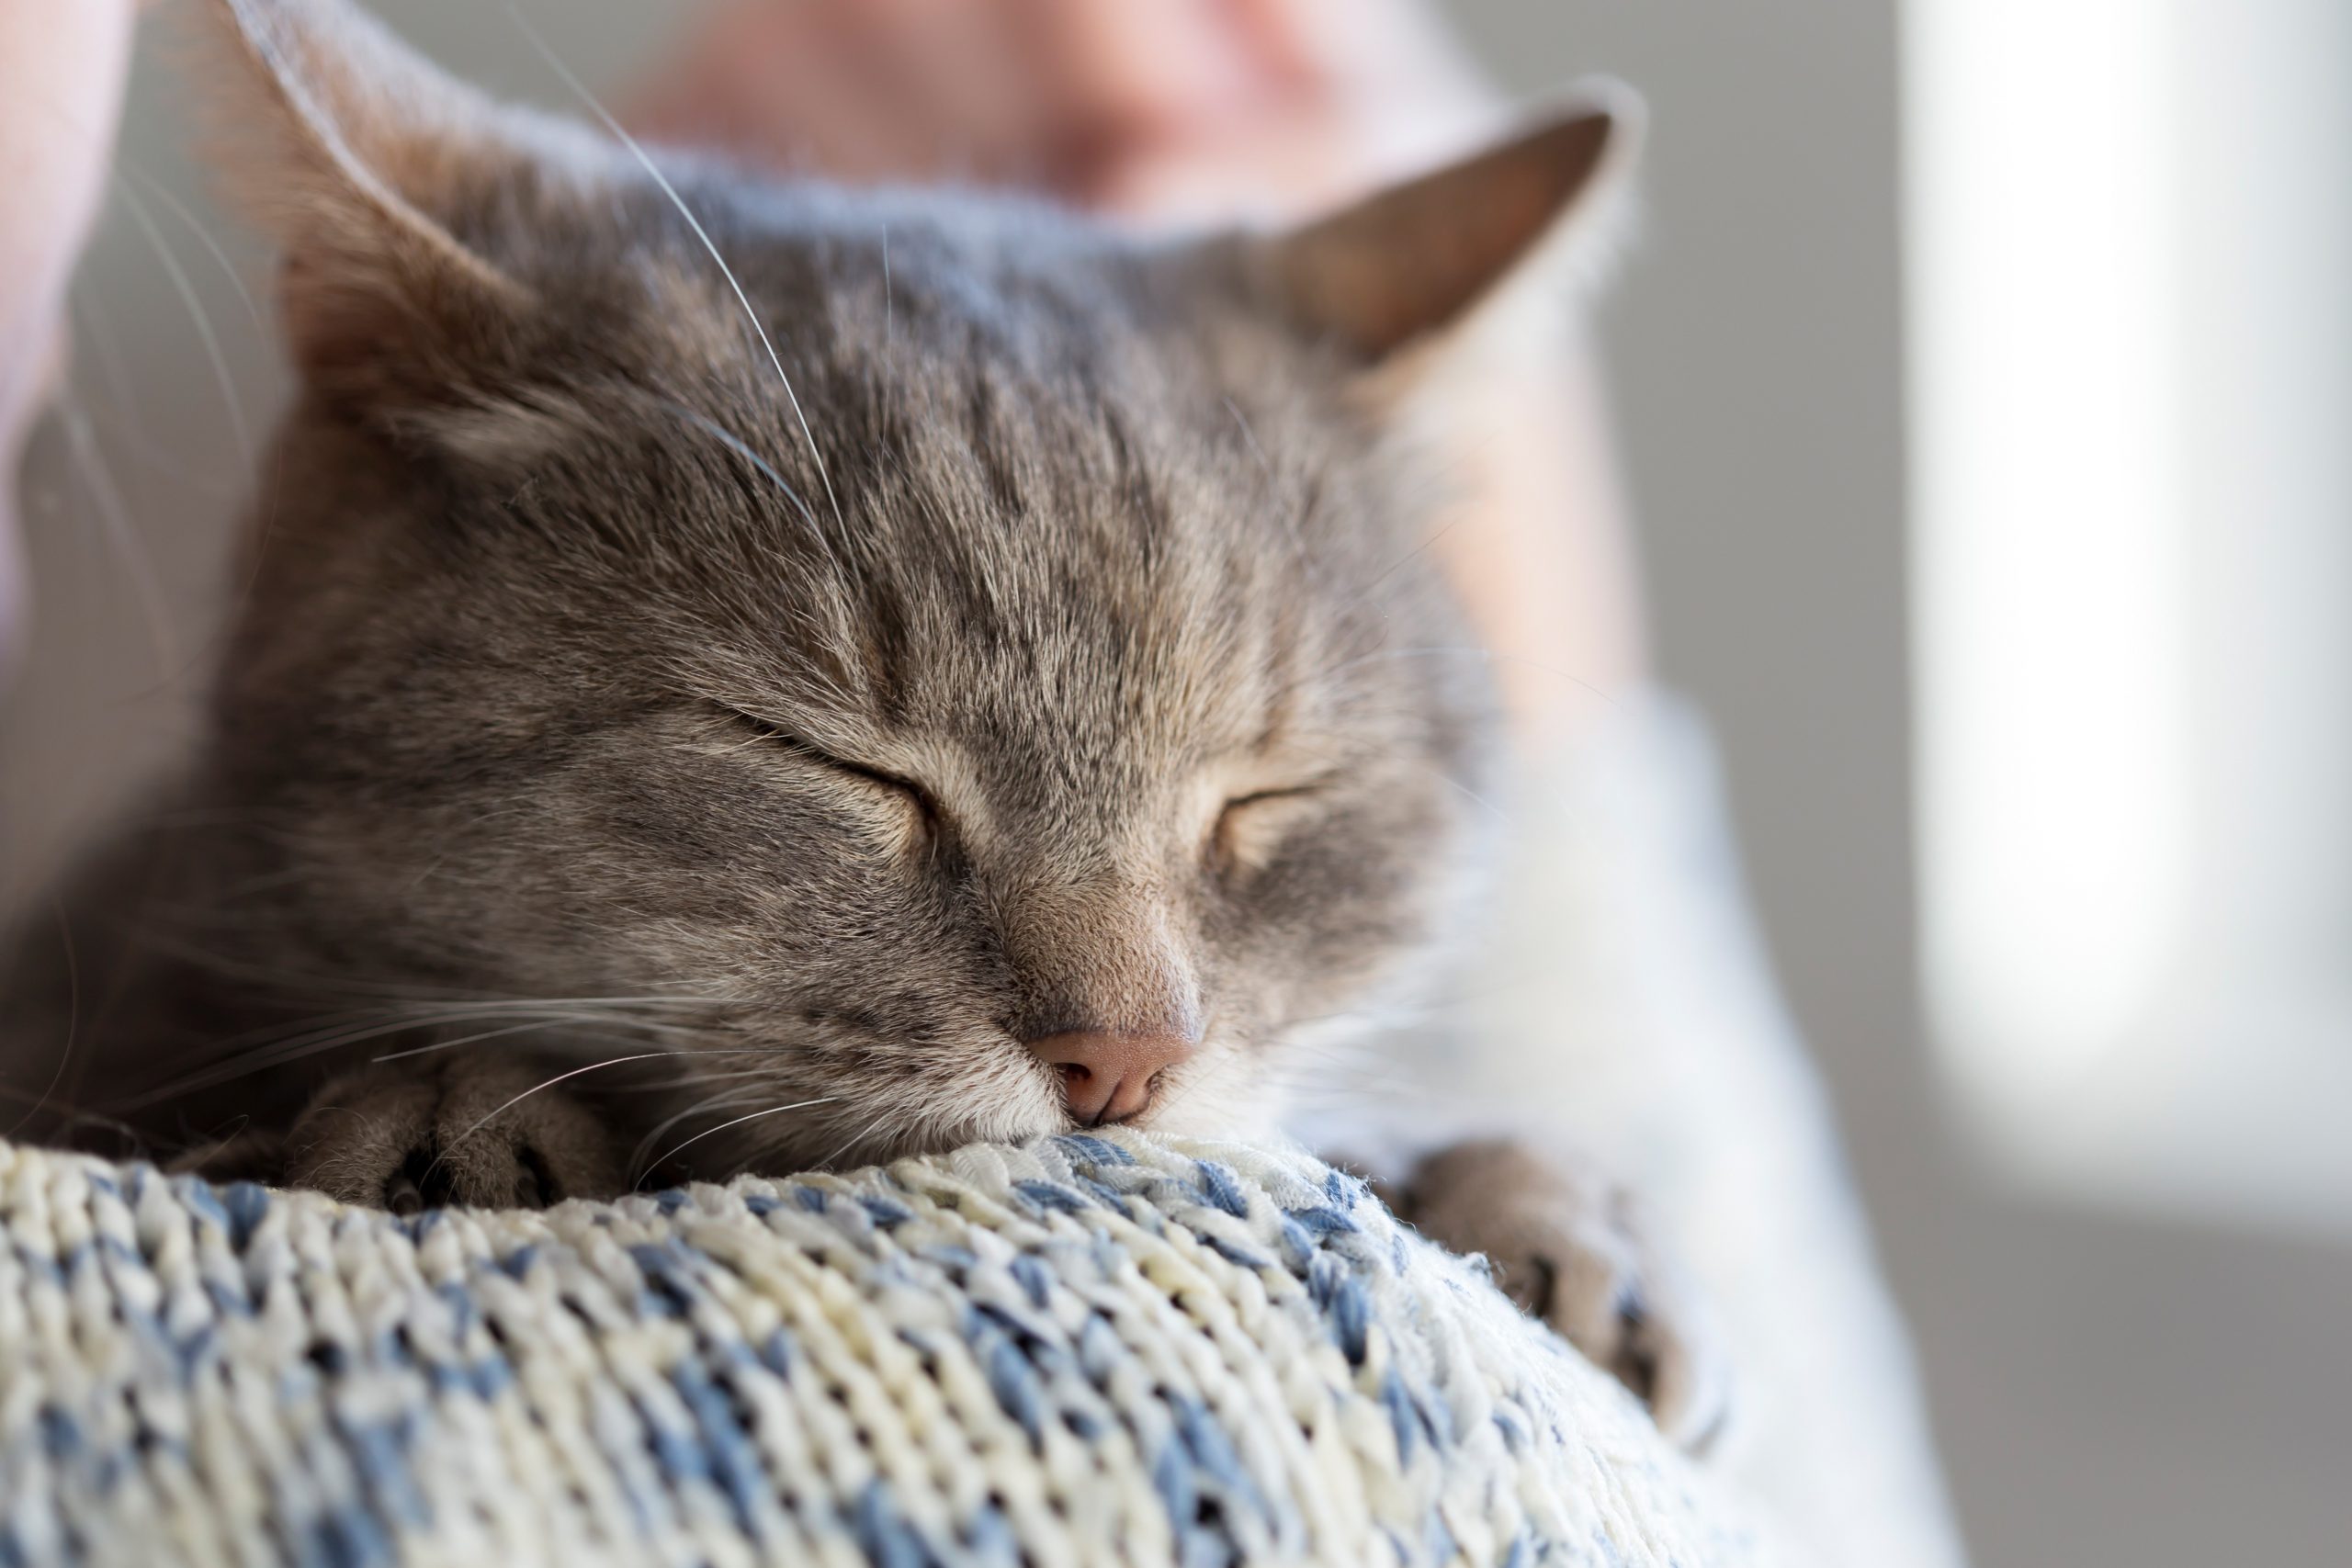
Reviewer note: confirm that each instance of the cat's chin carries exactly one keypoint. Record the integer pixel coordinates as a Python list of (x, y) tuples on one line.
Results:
[(1237, 1117), (1235, 1123), (884, 1146)]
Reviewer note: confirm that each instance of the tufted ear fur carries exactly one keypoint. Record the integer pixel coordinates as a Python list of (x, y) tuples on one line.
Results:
[(1423, 262), (389, 186)]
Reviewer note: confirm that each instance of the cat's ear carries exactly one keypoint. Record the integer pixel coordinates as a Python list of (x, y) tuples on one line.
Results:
[(1423, 262), (374, 171)]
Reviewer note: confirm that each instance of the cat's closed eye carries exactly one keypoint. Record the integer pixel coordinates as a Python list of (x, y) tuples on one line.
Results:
[(922, 809), (1249, 828)]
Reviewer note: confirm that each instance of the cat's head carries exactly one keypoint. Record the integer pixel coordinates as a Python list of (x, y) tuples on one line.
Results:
[(897, 629)]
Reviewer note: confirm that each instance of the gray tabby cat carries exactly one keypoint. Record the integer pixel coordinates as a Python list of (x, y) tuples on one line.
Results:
[(735, 675)]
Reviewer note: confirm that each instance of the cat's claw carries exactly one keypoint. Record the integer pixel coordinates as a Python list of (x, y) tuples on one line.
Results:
[(1570, 1247), (456, 1135)]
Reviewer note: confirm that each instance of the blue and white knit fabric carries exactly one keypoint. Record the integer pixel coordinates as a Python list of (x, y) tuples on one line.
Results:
[(1091, 1350)]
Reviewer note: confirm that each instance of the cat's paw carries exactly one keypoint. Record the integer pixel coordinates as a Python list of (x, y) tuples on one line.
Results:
[(428, 1134), (1569, 1246)]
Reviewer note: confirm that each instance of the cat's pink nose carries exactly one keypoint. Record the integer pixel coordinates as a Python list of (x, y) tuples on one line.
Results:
[(1107, 1077)]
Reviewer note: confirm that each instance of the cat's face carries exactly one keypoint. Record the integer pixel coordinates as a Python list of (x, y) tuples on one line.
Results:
[(976, 628)]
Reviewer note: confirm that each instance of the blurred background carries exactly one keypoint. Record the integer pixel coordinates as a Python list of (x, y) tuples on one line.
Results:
[(1984, 377)]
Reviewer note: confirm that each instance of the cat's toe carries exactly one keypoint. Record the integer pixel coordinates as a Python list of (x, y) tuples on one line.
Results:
[(507, 1142), (1670, 1354), (1571, 1249), (459, 1135)]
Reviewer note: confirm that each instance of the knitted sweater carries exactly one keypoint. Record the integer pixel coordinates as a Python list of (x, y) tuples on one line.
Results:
[(1091, 1351)]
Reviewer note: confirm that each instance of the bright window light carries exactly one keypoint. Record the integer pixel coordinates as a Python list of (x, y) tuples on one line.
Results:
[(2130, 252)]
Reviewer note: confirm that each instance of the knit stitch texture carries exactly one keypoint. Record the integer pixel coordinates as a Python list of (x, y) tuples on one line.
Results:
[(1106, 1349)]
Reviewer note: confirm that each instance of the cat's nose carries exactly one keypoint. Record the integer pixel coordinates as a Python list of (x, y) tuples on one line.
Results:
[(1108, 1076)]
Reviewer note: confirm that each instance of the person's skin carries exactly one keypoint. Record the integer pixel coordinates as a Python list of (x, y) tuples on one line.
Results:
[(1162, 111), (1171, 112), (61, 70)]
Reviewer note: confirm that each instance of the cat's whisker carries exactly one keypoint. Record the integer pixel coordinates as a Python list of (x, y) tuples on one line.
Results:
[(645, 161), (1361, 1072), (1186, 1088), (66, 1116), (1494, 810), (1250, 439), (1472, 795), (280, 1053), (1364, 595), (525, 1003), (1293, 521), (145, 222), (115, 526), (725, 1099), (73, 1016), (326, 985), (855, 1140), (512, 1029), (1385, 655), (1465, 650), (1342, 1058), (91, 327), (712, 1132), (735, 444), (180, 210), (122, 435), (397, 994), (545, 1084)]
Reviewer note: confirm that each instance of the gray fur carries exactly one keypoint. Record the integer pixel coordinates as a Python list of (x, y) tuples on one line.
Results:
[(1105, 536), (756, 654)]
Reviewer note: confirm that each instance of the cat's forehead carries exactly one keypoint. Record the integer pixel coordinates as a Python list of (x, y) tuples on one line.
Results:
[(1055, 584), (982, 475), (1079, 614), (792, 273), (973, 452)]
